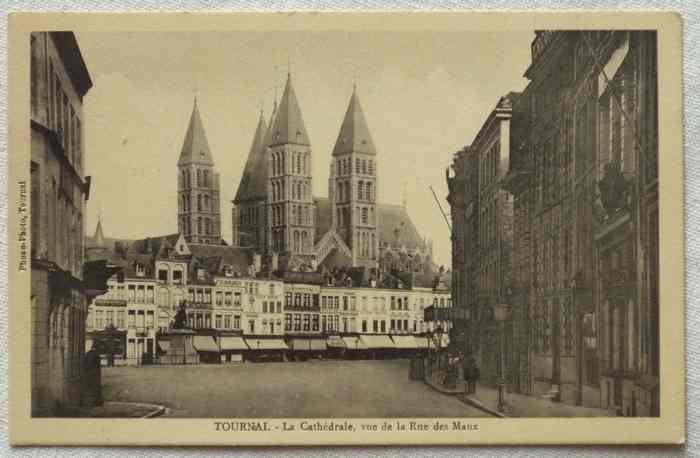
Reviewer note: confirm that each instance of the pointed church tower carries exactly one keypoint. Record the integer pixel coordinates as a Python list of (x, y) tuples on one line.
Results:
[(99, 239), (354, 186), (249, 205), (291, 205), (199, 217)]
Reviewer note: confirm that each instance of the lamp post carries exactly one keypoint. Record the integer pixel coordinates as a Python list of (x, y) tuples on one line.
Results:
[(429, 336), (501, 312), (438, 346)]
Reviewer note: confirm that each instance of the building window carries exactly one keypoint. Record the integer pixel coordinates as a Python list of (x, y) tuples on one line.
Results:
[(279, 306), (314, 323), (251, 326), (307, 322), (297, 322), (236, 321), (227, 321), (383, 325), (217, 321), (236, 299), (287, 321), (364, 325), (163, 275)]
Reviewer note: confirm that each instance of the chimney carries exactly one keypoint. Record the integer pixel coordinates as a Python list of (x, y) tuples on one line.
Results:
[(257, 262), (275, 262)]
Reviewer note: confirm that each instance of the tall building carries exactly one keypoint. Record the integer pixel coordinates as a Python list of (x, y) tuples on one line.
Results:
[(199, 217), (584, 182), (249, 214), (291, 205), (353, 186), (62, 285)]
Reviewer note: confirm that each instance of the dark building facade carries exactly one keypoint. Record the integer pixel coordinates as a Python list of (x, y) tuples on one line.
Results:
[(62, 284), (582, 175)]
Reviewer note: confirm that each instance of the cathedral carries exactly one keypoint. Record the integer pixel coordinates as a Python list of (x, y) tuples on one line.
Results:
[(275, 211)]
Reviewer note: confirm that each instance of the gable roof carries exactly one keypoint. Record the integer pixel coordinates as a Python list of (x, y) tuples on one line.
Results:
[(254, 179), (395, 225), (354, 134), (195, 148), (289, 124)]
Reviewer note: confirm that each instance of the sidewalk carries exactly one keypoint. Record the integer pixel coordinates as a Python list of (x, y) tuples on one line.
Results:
[(117, 410), (519, 405)]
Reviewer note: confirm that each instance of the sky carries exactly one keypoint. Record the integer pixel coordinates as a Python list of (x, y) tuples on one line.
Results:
[(425, 95)]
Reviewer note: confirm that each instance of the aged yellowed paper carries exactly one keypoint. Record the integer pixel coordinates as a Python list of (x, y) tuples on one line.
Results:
[(345, 228)]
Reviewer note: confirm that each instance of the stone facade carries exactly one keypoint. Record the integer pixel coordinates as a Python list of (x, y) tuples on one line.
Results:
[(59, 190), (582, 176)]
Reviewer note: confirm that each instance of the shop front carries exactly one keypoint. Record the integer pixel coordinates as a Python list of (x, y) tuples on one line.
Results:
[(265, 349), (379, 346)]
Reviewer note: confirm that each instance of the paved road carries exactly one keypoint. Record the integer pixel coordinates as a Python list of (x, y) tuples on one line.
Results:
[(331, 389)]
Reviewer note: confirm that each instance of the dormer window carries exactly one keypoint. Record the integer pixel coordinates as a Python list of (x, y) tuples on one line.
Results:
[(200, 274), (140, 270)]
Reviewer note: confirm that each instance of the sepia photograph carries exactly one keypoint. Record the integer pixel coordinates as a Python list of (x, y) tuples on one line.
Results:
[(256, 224)]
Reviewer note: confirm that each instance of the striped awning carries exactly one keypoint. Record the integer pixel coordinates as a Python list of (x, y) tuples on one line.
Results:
[(266, 344), (205, 343), (308, 344), (354, 343), (408, 342), (377, 341), (335, 342), (421, 342), (232, 343)]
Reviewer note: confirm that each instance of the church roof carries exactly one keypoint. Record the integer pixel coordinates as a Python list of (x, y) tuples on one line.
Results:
[(254, 179), (289, 124), (354, 134), (395, 225), (195, 148)]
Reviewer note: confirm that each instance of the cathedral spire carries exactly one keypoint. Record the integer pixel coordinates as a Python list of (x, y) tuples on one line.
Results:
[(354, 134), (195, 148), (254, 179), (289, 124), (99, 238)]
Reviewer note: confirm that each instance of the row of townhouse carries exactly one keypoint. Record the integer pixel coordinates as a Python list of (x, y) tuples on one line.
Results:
[(245, 312), (558, 197)]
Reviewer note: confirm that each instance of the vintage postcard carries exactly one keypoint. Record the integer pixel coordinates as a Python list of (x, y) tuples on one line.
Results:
[(380, 228)]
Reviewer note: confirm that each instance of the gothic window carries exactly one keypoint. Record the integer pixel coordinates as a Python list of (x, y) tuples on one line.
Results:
[(199, 202), (339, 167), (298, 164), (358, 167), (304, 242), (364, 166), (360, 188), (199, 178), (339, 193), (296, 241), (338, 217), (371, 215), (368, 192), (199, 225), (205, 178), (370, 170), (364, 215), (206, 202)]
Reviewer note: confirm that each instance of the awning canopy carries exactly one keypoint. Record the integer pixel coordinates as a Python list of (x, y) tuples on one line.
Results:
[(404, 342), (421, 342), (335, 342), (377, 341), (266, 344), (232, 343), (164, 346), (354, 343), (205, 343), (308, 344)]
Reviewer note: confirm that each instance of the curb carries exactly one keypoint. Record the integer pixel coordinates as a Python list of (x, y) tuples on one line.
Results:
[(160, 410), (476, 403)]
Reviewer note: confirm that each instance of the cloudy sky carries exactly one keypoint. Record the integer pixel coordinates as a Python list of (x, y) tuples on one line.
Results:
[(424, 94)]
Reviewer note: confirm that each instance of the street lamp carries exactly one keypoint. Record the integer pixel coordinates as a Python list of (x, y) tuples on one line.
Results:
[(438, 347), (501, 313)]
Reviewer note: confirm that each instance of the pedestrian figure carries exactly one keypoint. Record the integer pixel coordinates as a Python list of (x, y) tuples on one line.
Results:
[(467, 374), (93, 376), (474, 376)]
